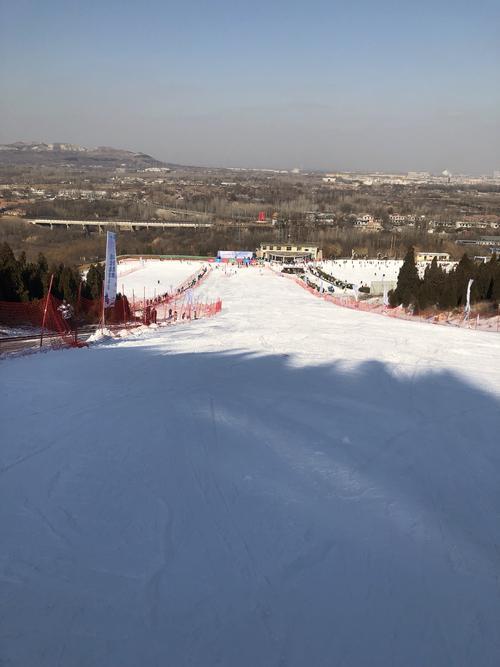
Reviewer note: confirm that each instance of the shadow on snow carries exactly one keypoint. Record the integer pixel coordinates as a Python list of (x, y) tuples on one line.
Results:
[(232, 509)]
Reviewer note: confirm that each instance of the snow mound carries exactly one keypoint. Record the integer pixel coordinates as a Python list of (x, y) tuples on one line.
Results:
[(101, 335)]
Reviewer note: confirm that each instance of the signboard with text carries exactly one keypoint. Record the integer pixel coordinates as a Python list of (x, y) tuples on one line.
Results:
[(110, 274)]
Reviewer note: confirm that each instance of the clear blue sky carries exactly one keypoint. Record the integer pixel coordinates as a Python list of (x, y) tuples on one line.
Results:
[(363, 85)]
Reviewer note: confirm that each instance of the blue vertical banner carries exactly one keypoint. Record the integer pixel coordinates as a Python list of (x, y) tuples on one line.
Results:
[(110, 274)]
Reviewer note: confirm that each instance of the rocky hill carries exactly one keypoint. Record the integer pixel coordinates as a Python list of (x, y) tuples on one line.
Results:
[(62, 154)]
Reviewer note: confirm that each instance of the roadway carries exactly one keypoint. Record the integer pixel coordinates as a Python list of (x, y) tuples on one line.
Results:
[(124, 225)]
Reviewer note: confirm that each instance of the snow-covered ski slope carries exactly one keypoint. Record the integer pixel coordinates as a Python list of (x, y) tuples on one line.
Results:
[(364, 271), (153, 277), (289, 483)]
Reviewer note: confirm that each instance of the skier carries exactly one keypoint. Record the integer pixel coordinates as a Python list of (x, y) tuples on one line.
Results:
[(67, 312)]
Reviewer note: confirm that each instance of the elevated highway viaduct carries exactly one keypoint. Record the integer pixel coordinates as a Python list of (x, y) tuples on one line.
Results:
[(122, 225)]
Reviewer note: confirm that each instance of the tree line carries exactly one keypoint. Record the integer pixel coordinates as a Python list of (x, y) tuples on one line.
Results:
[(21, 280), (446, 290)]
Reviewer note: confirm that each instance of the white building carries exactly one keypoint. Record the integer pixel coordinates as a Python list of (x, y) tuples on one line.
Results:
[(398, 219), (285, 253), (364, 220), (368, 223), (429, 256)]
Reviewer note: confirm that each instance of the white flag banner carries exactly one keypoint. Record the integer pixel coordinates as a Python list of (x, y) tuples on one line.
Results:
[(110, 274), (467, 305), (386, 295), (355, 289)]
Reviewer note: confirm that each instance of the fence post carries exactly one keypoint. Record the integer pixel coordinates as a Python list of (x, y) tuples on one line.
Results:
[(77, 312), (124, 310), (103, 311), (45, 309)]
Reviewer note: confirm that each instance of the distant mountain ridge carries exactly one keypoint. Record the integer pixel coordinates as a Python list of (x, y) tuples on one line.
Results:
[(59, 153)]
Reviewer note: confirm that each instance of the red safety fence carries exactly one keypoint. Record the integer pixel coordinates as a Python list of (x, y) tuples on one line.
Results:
[(179, 311), (59, 323), (476, 321), (194, 280), (55, 320), (46, 318), (46, 313)]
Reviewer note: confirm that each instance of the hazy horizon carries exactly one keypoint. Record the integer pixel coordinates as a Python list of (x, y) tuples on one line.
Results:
[(323, 86)]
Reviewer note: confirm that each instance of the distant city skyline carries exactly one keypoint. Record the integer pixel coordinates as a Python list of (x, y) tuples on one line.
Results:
[(325, 86)]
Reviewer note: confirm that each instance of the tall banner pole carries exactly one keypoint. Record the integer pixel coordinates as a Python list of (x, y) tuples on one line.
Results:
[(467, 304), (77, 313), (124, 309), (110, 275), (385, 298), (45, 308), (102, 307)]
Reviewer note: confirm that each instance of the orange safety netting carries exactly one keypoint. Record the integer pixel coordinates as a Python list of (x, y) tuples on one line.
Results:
[(177, 311), (399, 312), (57, 325), (194, 280), (57, 319)]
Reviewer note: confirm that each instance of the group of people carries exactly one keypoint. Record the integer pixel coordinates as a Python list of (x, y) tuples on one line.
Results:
[(341, 284), (151, 315), (180, 290)]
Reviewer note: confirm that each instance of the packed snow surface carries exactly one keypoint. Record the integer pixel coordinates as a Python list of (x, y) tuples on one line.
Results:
[(366, 271), (362, 270), (153, 277), (289, 483)]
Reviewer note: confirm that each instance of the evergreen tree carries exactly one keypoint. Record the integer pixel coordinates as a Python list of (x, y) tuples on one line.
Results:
[(43, 266), (448, 297), (432, 285), (465, 270), (408, 282), (495, 279), (93, 283), (33, 280), (11, 284), (69, 280)]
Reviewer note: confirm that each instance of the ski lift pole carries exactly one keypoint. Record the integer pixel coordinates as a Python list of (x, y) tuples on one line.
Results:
[(45, 308), (77, 312), (103, 310), (123, 308)]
